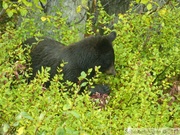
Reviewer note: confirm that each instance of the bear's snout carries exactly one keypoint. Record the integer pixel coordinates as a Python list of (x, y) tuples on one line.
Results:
[(111, 70)]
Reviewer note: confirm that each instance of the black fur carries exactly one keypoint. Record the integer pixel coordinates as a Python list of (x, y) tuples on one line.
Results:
[(87, 53)]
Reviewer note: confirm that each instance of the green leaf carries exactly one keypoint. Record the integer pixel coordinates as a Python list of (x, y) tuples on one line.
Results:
[(90, 70), (144, 1), (23, 11), (16, 124), (9, 12), (84, 133), (24, 115), (28, 4), (84, 84), (5, 5), (149, 6), (68, 105), (60, 131), (137, 1), (27, 116), (5, 127), (41, 117), (75, 114), (83, 74), (20, 131), (78, 9)]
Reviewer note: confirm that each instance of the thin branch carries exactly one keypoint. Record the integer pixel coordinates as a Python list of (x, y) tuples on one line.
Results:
[(2, 12), (160, 7)]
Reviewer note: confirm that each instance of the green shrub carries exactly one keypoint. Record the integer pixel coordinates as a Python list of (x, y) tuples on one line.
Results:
[(147, 62)]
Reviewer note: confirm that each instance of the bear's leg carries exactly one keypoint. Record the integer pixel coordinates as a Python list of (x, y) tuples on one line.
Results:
[(100, 88)]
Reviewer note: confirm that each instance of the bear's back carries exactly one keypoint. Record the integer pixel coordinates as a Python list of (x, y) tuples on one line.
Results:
[(44, 52), (80, 56)]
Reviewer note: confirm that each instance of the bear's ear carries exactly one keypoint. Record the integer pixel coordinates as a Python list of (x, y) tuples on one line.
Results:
[(111, 36), (105, 43)]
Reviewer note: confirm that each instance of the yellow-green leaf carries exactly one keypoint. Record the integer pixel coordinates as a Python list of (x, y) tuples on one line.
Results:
[(83, 74), (121, 16), (144, 1), (6, 127), (20, 131), (137, 1), (75, 114), (43, 18), (5, 5), (41, 117), (23, 11), (78, 9), (67, 106), (149, 6), (84, 84), (146, 19), (48, 19), (28, 4), (9, 12), (162, 12)]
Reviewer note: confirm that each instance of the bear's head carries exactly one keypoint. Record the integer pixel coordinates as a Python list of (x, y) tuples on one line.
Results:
[(105, 53), (88, 53)]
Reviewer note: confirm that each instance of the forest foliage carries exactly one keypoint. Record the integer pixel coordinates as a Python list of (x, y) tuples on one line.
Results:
[(145, 93)]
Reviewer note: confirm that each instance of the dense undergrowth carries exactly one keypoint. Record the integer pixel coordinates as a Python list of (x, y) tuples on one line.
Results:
[(144, 93)]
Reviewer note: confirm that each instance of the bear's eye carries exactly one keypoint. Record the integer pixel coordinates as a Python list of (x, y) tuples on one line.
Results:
[(107, 61)]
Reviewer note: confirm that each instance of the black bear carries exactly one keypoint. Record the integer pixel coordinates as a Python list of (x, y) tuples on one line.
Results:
[(80, 56)]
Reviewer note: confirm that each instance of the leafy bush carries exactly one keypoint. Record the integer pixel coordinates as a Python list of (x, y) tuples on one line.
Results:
[(147, 62)]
